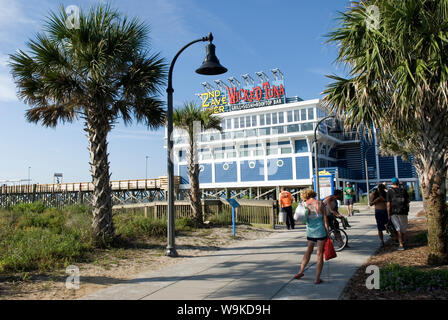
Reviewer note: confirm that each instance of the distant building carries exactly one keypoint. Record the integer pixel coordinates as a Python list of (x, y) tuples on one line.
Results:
[(267, 142)]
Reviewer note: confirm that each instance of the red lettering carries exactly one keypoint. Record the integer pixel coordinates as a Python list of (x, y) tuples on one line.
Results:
[(266, 90), (276, 92), (241, 96), (282, 90), (231, 92), (258, 93)]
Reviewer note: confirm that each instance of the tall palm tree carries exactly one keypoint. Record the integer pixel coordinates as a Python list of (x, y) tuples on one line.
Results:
[(397, 80), (99, 71), (192, 120)]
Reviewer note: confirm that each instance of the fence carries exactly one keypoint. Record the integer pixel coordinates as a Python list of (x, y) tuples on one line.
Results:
[(250, 211)]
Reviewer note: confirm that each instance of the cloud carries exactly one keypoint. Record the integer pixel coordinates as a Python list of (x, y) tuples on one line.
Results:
[(7, 86)]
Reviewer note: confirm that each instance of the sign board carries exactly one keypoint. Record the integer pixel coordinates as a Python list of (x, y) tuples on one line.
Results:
[(233, 203), (236, 97), (326, 184)]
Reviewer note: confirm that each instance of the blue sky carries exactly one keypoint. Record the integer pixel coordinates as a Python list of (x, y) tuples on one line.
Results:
[(250, 36)]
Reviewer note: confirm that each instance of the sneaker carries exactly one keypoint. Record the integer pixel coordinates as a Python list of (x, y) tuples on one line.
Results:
[(400, 248)]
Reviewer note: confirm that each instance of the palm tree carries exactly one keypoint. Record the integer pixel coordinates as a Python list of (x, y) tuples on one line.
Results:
[(397, 80), (192, 120), (100, 71)]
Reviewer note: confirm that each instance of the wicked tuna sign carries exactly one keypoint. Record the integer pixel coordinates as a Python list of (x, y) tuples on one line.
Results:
[(232, 98), (263, 96)]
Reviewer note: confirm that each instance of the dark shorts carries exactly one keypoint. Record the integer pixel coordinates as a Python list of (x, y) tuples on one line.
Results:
[(316, 239), (381, 219), (348, 202), (333, 223)]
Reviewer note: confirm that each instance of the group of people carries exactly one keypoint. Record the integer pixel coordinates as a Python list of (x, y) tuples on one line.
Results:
[(391, 209), (391, 206)]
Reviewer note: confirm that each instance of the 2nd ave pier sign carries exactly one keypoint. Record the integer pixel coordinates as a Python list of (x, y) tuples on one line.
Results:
[(235, 99)]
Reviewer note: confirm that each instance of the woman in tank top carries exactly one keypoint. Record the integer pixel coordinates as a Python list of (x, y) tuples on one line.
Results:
[(316, 232)]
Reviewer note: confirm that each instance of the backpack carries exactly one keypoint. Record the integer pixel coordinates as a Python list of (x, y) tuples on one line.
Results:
[(399, 201)]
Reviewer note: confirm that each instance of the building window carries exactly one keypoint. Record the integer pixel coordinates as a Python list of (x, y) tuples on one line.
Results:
[(264, 131), (280, 117), (248, 122), (261, 119), (274, 118), (223, 124), (303, 114), (230, 154), (296, 115), (271, 151), (242, 122), (307, 126), (254, 121), (310, 113), (244, 153), (251, 133), (229, 124), (268, 119), (278, 130), (219, 154), (286, 150), (236, 124), (289, 116), (293, 128)]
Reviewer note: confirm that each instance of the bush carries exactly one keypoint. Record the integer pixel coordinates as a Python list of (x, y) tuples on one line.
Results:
[(36, 239), (34, 207), (394, 277)]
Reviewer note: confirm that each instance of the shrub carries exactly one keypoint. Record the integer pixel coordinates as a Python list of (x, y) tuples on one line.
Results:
[(35, 207), (394, 277)]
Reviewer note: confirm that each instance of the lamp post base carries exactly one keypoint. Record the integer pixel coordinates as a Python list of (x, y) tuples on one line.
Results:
[(171, 252)]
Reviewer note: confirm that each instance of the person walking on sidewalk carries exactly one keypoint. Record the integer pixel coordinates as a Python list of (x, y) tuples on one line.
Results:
[(348, 196), (398, 209), (316, 232), (378, 199), (286, 205)]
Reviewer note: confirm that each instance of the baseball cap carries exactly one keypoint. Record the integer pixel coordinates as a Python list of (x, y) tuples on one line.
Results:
[(395, 180)]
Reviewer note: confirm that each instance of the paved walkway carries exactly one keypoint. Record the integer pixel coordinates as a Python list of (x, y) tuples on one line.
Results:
[(257, 270)]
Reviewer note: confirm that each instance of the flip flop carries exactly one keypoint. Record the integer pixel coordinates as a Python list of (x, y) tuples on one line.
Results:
[(298, 276)]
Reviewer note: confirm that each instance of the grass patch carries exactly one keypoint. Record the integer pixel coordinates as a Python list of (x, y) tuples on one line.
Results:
[(394, 277)]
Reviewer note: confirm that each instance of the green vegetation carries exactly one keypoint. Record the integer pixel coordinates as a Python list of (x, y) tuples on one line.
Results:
[(394, 277), (33, 237)]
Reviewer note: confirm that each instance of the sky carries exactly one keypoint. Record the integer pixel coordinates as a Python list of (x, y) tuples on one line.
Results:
[(250, 36)]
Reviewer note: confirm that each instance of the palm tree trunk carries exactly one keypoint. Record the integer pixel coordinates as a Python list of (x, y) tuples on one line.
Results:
[(432, 171), (434, 202), (195, 192), (97, 127)]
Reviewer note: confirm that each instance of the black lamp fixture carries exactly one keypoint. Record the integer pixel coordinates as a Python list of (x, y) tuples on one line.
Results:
[(210, 66)]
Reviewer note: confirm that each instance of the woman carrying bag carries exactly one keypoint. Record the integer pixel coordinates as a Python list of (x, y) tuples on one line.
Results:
[(316, 232)]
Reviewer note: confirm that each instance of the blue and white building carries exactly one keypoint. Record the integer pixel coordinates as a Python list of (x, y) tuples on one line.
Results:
[(267, 142)]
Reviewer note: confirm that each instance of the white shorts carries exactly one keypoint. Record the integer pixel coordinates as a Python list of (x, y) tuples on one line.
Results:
[(400, 222)]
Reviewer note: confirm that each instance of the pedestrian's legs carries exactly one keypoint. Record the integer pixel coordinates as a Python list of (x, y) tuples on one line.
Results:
[(380, 235), (400, 238), (289, 218), (307, 256), (320, 260)]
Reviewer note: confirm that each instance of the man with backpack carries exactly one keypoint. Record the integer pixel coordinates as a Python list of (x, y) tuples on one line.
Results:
[(398, 209)]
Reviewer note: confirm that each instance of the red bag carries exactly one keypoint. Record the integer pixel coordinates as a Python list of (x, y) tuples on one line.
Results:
[(329, 250)]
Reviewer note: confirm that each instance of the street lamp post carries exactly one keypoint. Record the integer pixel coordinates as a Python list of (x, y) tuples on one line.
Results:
[(367, 170), (146, 168), (29, 175), (210, 66), (316, 151)]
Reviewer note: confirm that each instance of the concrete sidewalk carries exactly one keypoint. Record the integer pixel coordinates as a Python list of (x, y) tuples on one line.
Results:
[(257, 270)]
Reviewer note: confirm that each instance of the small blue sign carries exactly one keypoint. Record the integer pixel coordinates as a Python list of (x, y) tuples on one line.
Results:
[(233, 203)]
